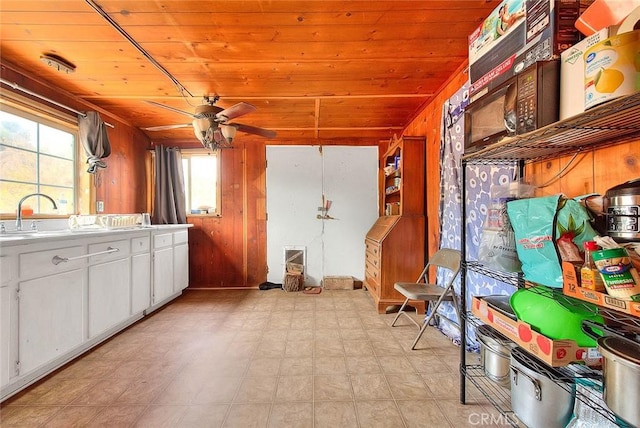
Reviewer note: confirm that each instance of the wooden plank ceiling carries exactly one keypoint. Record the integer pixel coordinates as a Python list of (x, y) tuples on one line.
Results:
[(315, 70)]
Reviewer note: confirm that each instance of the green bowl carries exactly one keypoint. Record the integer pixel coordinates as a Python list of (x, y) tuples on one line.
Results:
[(556, 318)]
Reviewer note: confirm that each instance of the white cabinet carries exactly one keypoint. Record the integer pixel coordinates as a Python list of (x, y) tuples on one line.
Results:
[(51, 317), (109, 285), (8, 311), (180, 261), (109, 295), (170, 264), (140, 275), (162, 267), (60, 297), (7, 360)]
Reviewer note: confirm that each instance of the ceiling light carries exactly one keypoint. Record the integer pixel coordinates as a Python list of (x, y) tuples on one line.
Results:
[(58, 63), (212, 135), (229, 132)]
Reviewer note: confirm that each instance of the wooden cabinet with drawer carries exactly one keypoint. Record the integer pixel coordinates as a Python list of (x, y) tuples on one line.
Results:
[(395, 244)]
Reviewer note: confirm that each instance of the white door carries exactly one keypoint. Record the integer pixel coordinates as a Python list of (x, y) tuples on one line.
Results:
[(294, 192), (300, 180), (351, 183)]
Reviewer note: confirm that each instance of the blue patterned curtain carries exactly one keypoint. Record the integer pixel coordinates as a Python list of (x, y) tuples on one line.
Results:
[(480, 178)]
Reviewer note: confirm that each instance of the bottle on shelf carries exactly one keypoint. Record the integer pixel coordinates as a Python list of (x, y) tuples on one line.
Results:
[(589, 276)]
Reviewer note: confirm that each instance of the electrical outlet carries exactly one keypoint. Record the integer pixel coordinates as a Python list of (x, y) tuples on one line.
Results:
[(99, 206)]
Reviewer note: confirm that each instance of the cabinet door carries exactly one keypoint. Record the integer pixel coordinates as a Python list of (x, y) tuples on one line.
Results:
[(180, 267), (140, 282), (109, 295), (51, 318), (7, 331), (162, 274)]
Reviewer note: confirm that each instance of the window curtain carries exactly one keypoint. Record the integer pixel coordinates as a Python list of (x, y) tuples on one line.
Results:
[(169, 199), (93, 136)]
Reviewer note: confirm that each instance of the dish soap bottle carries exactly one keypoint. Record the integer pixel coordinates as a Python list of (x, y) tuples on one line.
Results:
[(589, 276)]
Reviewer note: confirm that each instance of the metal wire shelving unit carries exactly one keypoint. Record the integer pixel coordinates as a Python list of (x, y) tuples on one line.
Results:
[(615, 122)]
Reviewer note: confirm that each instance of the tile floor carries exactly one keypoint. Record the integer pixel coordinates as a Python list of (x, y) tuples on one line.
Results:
[(255, 358)]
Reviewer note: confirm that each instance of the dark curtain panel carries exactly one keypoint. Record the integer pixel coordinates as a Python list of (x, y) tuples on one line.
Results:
[(169, 200), (93, 137)]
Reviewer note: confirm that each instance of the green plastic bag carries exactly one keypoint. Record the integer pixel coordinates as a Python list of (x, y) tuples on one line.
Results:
[(548, 231)]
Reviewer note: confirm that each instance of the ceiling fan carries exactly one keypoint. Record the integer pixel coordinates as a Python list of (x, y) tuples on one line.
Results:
[(211, 123)]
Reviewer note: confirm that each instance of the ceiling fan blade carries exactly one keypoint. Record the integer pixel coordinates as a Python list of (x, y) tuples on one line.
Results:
[(235, 111), (170, 108), (167, 127), (267, 133)]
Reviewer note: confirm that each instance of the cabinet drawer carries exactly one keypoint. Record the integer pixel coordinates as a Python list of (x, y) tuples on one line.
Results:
[(163, 240), (372, 248), (140, 245), (372, 259), (180, 237), (372, 272), (124, 250), (40, 263)]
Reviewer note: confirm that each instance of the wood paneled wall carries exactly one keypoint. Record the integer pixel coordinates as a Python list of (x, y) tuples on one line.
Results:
[(231, 251), (427, 123), (123, 184)]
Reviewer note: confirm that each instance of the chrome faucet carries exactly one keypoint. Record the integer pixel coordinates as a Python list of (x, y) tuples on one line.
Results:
[(19, 213)]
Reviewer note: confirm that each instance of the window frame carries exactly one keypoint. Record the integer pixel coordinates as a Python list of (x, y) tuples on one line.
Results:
[(188, 154), (40, 113)]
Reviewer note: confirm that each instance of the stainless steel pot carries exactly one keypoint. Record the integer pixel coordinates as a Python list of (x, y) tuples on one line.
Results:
[(620, 372), (538, 400), (495, 355), (622, 206)]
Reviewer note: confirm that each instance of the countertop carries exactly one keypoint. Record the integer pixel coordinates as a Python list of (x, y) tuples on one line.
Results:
[(12, 238)]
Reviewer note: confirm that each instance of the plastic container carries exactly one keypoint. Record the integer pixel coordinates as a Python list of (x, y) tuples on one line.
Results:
[(618, 274)]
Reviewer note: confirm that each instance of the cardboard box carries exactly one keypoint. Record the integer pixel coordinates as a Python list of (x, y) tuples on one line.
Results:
[(556, 353), (571, 287), (604, 13), (538, 30), (572, 78), (337, 282)]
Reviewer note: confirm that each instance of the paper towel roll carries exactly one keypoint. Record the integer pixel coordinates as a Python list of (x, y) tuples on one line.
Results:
[(631, 22)]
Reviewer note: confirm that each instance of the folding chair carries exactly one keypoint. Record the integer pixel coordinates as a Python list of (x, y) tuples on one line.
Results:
[(431, 293)]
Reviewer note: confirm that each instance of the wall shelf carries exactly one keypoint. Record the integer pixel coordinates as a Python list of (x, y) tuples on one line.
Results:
[(614, 122)]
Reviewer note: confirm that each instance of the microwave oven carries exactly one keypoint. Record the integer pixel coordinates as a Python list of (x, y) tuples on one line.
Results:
[(527, 101)]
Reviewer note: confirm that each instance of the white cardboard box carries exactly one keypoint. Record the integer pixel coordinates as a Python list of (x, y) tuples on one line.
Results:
[(572, 94)]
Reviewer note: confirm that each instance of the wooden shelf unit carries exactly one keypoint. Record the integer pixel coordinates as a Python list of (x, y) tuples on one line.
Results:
[(395, 244)]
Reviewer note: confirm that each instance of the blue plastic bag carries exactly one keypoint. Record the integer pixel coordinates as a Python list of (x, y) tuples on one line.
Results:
[(548, 230)]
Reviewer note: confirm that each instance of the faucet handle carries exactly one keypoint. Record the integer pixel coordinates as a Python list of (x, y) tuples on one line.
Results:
[(2, 228), (34, 226)]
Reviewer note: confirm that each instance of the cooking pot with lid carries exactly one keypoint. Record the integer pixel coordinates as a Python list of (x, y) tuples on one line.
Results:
[(620, 371), (622, 206)]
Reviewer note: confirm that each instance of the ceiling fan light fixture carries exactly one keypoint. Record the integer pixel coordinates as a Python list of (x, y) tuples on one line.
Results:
[(200, 127), (229, 132)]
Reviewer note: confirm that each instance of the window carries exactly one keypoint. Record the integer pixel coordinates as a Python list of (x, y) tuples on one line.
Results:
[(36, 155), (201, 182)]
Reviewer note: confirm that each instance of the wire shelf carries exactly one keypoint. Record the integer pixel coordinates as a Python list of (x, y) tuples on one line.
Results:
[(614, 122)]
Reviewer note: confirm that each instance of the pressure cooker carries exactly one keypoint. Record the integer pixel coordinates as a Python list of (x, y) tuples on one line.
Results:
[(622, 206)]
